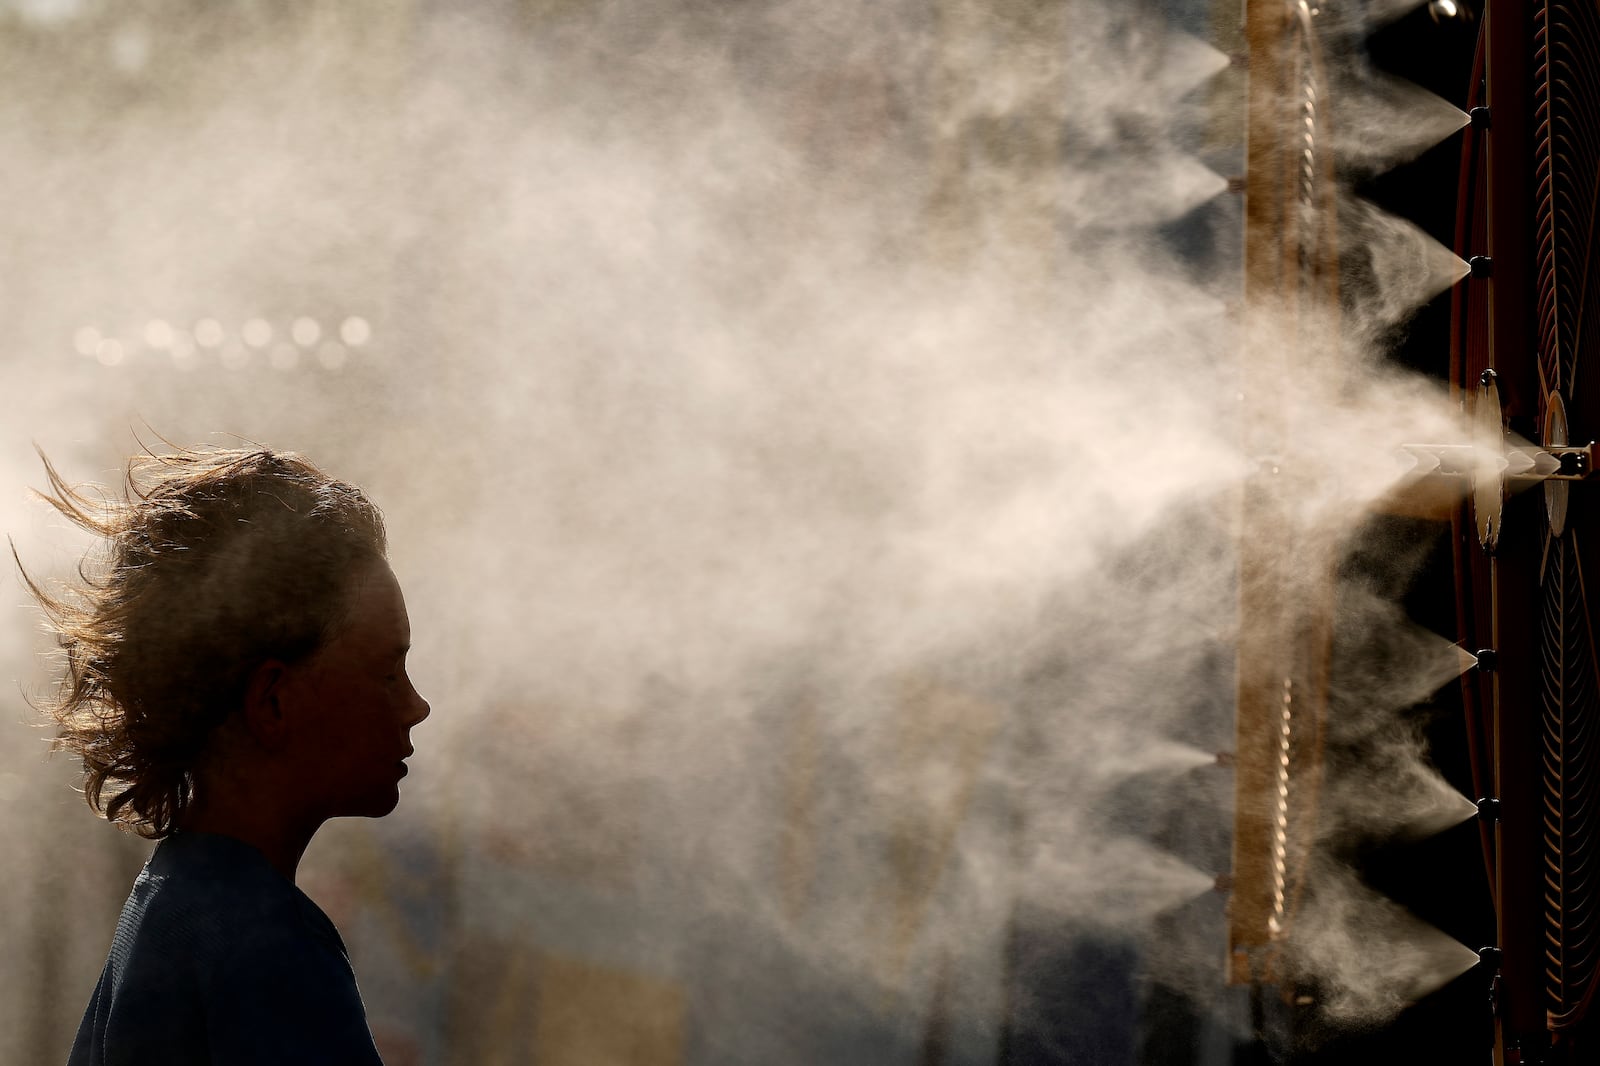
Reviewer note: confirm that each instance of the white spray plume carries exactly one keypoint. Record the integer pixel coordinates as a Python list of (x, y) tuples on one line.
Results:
[(812, 471)]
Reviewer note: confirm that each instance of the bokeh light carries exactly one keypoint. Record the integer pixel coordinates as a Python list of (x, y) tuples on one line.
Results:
[(86, 340), (110, 352), (257, 332), (284, 356), (208, 333), (185, 355), (332, 355), (355, 331), (158, 333)]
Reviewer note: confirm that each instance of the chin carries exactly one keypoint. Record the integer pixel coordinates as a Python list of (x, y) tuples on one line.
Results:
[(388, 804), (377, 805)]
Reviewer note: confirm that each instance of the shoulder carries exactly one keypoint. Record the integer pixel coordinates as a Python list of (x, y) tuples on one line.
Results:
[(232, 904), (263, 952), (200, 894), (201, 907)]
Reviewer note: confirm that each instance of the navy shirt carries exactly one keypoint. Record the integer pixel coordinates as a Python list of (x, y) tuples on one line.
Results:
[(219, 960)]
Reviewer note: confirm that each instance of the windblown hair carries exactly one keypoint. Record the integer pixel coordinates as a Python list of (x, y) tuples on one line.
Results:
[(214, 562)]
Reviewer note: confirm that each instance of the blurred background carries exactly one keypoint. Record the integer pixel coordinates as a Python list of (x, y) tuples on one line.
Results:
[(810, 443)]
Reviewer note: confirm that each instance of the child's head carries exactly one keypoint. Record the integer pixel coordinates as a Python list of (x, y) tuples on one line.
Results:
[(215, 564)]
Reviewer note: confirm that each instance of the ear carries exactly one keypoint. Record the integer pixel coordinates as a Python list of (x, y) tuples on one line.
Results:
[(265, 716)]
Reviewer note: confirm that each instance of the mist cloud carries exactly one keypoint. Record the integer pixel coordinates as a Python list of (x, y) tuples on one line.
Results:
[(812, 467)]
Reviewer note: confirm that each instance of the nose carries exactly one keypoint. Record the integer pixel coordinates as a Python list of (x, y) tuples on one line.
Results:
[(420, 709)]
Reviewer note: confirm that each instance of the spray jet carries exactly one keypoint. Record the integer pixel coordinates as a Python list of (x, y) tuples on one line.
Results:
[(1497, 464)]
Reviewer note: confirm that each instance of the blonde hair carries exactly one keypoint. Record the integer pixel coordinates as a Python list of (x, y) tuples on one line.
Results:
[(214, 561)]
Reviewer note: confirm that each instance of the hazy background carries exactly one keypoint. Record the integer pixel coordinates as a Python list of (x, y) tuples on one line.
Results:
[(809, 437)]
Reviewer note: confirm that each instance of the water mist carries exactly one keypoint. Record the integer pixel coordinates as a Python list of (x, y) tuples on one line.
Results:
[(809, 438)]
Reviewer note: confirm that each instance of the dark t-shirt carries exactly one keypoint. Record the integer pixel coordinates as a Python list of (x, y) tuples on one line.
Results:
[(219, 960)]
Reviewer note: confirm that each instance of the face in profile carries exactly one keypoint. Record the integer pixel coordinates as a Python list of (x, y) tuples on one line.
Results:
[(356, 706)]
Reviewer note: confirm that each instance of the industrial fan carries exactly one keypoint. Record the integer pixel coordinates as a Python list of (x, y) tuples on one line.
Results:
[(1522, 339)]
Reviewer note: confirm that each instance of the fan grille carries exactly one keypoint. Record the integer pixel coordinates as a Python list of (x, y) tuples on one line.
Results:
[(1566, 82)]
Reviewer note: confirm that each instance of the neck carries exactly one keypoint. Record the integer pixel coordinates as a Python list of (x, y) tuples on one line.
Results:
[(281, 839)]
